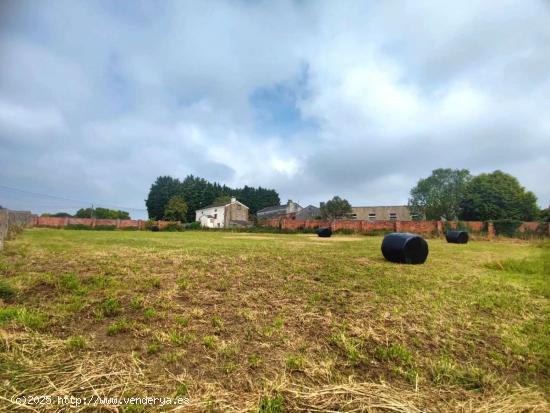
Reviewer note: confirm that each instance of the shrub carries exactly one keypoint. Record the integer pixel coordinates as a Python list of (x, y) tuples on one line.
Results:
[(79, 227), (507, 227), (173, 227), (192, 225), (150, 224), (90, 228), (105, 227)]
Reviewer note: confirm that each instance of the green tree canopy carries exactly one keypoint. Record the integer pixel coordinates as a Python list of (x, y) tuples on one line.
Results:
[(176, 209), (335, 208), (198, 193), (498, 195), (102, 213), (440, 195), (57, 215), (164, 188), (222, 199), (545, 215)]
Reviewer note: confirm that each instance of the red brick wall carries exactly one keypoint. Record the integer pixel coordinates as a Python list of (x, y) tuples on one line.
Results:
[(129, 223), (122, 223), (361, 226), (50, 222)]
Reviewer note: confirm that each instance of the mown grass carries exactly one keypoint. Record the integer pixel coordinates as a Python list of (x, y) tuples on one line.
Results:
[(248, 321)]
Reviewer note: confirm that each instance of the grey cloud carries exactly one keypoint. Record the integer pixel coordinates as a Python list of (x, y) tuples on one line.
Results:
[(97, 99)]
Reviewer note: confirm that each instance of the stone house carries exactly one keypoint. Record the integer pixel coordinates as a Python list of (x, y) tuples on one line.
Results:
[(381, 213), (223, 215), (279, 211)]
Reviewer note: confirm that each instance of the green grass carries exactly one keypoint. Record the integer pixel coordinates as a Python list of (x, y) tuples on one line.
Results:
[(255, 314)]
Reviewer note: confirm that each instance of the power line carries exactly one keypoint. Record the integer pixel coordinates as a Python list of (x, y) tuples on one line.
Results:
[(80, 202)]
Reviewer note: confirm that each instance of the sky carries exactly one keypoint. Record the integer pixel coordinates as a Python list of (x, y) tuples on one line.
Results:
[(311, 98)]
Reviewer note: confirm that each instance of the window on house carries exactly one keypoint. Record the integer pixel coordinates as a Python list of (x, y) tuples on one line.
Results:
[(238, 207), (393, 216), (372, 216), (353, 216), (215, 216)]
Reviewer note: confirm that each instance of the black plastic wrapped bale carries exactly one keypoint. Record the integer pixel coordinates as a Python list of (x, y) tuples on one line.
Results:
[(405, 248), (457, 237), (155, 228), (324, 232)]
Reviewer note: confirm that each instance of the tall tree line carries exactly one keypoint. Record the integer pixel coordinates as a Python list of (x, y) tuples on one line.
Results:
[(198, 193)]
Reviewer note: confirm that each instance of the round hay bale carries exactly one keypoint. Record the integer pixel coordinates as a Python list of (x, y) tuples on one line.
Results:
[(405, 248), (457, 237), (324, 232)]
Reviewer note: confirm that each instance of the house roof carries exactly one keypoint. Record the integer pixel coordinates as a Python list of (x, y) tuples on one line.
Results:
[(272, 208), (217, 204), (220, 204)]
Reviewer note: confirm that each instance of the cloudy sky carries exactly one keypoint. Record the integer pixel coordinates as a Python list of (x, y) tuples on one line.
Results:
[(312, 98)]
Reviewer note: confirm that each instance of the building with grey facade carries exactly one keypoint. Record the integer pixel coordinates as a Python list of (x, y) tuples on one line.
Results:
[(309, 212), (381, 213), (277, 211)]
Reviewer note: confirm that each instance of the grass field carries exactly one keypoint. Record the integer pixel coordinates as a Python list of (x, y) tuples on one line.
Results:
[(272, 323)]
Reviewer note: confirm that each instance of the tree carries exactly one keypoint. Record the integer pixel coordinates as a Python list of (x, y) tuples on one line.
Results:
[(545, 215), (176, 209), (198, 193), (101, 213), (57, 215), (164, 188), (335, 208), (223, 199), (439, 195), (498, 195)]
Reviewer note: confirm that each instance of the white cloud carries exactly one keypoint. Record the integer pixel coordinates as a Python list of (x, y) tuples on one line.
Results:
[(130, 93)]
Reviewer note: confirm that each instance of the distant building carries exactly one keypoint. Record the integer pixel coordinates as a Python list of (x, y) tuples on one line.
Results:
[(381, 213), (309, 212), (289, 210), (223, 215)]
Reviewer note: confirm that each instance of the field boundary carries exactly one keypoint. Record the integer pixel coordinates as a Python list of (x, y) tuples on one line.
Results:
[(421, 227), (60, 222), (12, 222)]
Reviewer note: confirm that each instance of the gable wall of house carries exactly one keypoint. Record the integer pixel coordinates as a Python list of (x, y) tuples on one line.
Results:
[(235, 212), (381, 213)]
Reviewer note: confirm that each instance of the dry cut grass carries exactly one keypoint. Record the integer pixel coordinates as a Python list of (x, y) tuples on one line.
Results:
[(272, 323)]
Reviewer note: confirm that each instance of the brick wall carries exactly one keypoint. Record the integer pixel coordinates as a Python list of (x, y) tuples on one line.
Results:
[(420, 227), (93, 222)]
